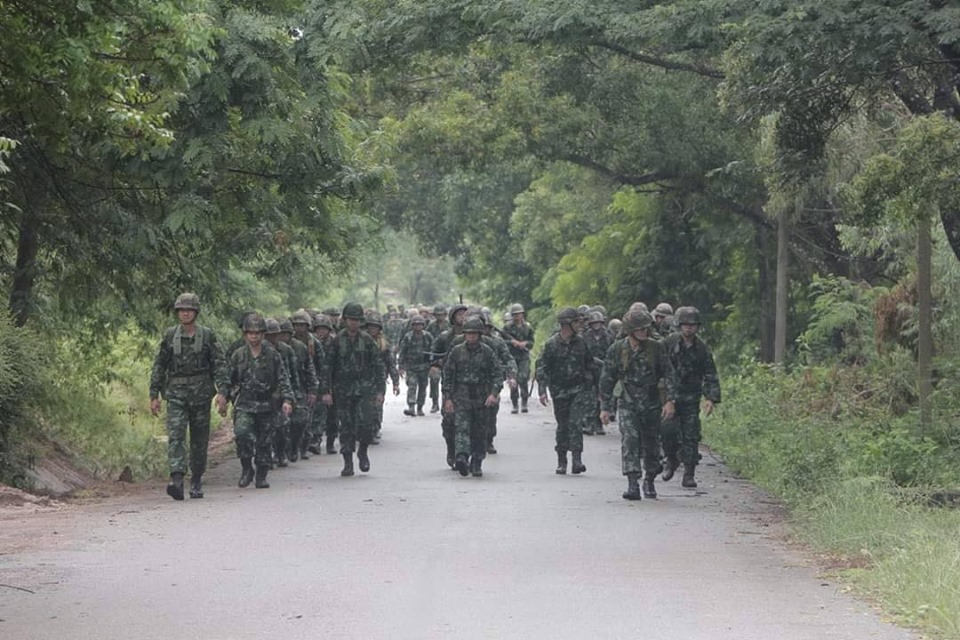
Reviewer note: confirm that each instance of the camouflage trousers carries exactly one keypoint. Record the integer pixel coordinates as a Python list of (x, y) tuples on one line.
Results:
[(639, 437), (253, 433), (571, 413), (281, 435), (417, 387), (681, 434), (180, 417), (492, 413), (470, 431), (591, 417), (357, 421), (523, 381), (434, 390), (318, 421), (333, 421), (299, 423)]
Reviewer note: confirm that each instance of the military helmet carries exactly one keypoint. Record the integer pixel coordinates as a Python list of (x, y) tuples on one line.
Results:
[(583, 310), (333, 312), (373, 319), (322, 320), (637, 320), (187, 301), (594, 317), (473, 325), (663, 309), (272, 326), (688, 315), (454, 310), (599, 308), (418, 319), (243, 316), (567, 315), (637, 306), (516, 308), (439, 309), (352, 310), (615, 325), (254, 322), (300, 316), (285, 325)]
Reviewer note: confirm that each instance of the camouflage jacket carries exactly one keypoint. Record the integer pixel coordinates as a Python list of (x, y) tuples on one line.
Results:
[(389, 362), (470, 374), (442, 344), (258, 384), (506, 363), (565, 368), (190, 371), (695, 369), (306, 372), (356, 366), (638, 372), (521, 333), (598, 342), (435, 328), (289, 356), (414, 353)]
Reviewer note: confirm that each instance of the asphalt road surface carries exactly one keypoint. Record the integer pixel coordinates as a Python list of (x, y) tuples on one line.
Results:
[(413, 551)]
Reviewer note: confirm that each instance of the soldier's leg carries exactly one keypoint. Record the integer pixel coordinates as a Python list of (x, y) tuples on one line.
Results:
[(434, 395), (333, 426), (523, 382), (690, 431), (650, 445), (300, 422), (670, 437), (594, 411), (580, 413), (244, 435), (461, 431), (318, 420), (281, 439), (178, 419), (630, 458), (492, 413), (561, 412), (412, 392), (263, 429), (348, 411), (448, 429), (423, 379), (368, 410), (478, 439)]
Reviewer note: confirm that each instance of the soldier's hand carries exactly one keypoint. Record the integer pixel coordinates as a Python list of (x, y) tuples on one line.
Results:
[(327, 399), (491, 400), (287, 409), (448, 406), (396, 389), (155, 406), (379, 398), (311, 399), (708, 407), (605, 417), (543, 399), (668, 410)]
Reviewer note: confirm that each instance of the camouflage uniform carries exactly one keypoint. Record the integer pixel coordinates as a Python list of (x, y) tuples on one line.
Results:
[(508, 371), (326, 418), (566, 368), (437, 326), (471, 374), (389, 365), (281, 435), (414, 355), (187, 371), (304, 347), (522, 332), (439, 349), (598, 339)]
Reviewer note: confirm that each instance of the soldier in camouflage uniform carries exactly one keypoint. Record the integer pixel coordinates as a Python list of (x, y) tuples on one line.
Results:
[(663, 319), (598, 339), (279, 340), (187, 371), (471, 378), (326, 418), (414, 355), (438, 325), (333, 314), (441, 346), (566, 368), (508, 368), (304, 346), (638, 363), (519, 336), (357, 377), (258, 379), (373, 325), (696, 372)]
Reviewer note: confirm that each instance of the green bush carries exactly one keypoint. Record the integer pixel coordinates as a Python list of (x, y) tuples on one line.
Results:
[(23, 368)]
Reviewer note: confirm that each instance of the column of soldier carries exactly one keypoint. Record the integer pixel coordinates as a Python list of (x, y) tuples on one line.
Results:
[(294, 380)]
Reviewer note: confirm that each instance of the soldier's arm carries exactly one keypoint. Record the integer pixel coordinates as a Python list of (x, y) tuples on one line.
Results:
[(283, 378), (312, 383), (668, 373), (543, 366), (711, 379), (378, 365), (608, 378), (391, 367), (158, 375), (449, 381)]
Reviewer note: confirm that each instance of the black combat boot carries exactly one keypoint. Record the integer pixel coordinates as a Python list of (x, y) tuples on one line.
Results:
[(410, 410), (196, 485), (175, 488), (435, 407), (523, 405), (261, 477), (451, 457), (577, 466), (516, 408), (420, 410), (282, 459), (633, 487), (246, 473), (363, 459), (561, 463), (688, 480), (331, 447), (303, 450), (476, 467), (490, 448), (294, 453), (347, 464), (462, 464), (670, 468), (649, 491), (314, 447)]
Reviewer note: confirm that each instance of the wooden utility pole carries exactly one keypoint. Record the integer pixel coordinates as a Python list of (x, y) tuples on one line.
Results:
[(783, 282), (925, 333)]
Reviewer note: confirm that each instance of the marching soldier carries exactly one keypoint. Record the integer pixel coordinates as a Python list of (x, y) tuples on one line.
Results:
[(520, 340)]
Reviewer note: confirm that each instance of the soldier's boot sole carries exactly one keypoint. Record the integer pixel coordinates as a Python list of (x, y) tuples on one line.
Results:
[(347, 465), (462, 466), (577, 467), (561, 464), (175, 488), (363, 460), (688, 482), (649, 491), (196, 488)]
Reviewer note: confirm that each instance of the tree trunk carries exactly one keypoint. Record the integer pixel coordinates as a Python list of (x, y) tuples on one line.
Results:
[(25, 273), (925, 341), (765, 292), (783, 282)]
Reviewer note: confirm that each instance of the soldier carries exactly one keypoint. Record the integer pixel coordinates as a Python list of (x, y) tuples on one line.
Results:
[(598, 339), (304, 346), (471, 376), (187, 371), (278, 335), (414, 355), (663, 319), (566, 368), (696, 372), (334, 315), (373, 325), (508, 368), (357, 376), (615, 327), (257, 378), (441, 345), (437, 326), (638, 362), (323, 330), (520, 340)]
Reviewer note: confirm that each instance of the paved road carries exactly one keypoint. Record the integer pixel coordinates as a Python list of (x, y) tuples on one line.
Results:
[(413, 551)]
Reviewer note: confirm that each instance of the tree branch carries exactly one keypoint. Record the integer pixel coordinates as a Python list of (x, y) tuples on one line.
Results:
[(632, 180), (706, 72)]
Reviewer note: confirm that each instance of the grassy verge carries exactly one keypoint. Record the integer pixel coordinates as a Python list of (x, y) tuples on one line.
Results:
[(857, 481)]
